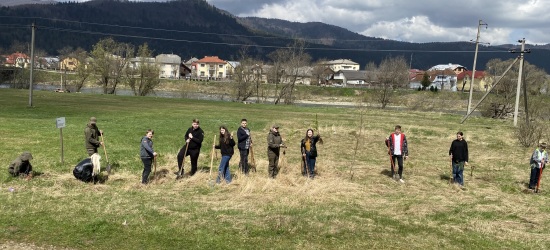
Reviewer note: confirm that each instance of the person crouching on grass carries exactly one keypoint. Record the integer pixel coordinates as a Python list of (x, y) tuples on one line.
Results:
[(536, 160), (147, 155), (226, 145), (309, 152), (459, 156), (398, 148)]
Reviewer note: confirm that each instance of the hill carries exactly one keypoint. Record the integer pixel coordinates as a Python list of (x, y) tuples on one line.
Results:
[(195, 28)]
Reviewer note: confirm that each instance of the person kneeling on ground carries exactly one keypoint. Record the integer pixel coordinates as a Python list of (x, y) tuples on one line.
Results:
[(536, 160), (21, 166), (87, 169), (226, 147), (147, 155)]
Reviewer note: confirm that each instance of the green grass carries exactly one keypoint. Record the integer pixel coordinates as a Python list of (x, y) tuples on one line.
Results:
[(335, 211)]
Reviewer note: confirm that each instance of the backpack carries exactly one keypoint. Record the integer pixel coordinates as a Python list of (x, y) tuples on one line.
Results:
[(83, 171)]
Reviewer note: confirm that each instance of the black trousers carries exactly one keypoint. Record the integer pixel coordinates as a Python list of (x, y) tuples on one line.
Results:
[(399, 163), (194, 154), (146, 169), (244, 161)]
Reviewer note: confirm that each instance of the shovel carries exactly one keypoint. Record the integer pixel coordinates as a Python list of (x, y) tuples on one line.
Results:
[(253, 166), (155, 172), (210, 182), (540, 175), (451, 174), (180, 171), (106, 158)]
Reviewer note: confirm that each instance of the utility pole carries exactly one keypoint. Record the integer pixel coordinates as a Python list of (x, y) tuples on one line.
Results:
[(519, 82), (32, 64), (474, 69)]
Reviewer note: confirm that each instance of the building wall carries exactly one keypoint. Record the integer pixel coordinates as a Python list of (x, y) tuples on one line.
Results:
[(212, 70), (344, 66)]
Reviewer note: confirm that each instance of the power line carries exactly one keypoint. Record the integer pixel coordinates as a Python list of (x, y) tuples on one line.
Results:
[(251, 45)]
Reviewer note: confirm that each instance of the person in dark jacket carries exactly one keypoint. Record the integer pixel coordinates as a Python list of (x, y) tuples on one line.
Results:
[(536, 163), (92, 134), (274, 144), (459, 156), (309, 152), (21, 166), (226, 145), (398, 148), (245, 142), (147, 155), (194, 137)]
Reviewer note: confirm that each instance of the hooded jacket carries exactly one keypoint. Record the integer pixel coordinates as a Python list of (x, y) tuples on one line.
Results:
[(21, 164), (404, 144), (198, 136), (226, 149), (92, 135), (274, 142), (146, 151), (242, 137)]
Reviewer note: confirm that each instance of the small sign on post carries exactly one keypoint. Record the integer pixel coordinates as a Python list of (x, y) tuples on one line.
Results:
[(60, 123)]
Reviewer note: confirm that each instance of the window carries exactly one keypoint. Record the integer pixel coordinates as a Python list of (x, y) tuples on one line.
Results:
[(220, 74), (162, 72), (202, 73), (220, 66), (203, 65)]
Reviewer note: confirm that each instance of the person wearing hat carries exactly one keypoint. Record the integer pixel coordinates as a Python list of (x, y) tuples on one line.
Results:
[(459, 157), (536, 160), (274, 144), (92, 134), (21, 166)]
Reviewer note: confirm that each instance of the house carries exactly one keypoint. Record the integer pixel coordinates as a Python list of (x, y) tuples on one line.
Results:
[(211, 67), (169, 66), (440, 79), (185, 71), (351, 78), (231, 68), (342, 64), (47, 63), (135, 63), (17, 59), (483, 81), (457, 68)]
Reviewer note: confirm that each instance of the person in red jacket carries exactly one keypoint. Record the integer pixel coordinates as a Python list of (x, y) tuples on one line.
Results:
[(398, 148)]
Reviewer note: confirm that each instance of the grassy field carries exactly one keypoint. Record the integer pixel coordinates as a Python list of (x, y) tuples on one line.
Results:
[(350, 205)]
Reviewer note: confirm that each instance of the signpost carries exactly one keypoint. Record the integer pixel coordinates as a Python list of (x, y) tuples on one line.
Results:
[(60, 123)]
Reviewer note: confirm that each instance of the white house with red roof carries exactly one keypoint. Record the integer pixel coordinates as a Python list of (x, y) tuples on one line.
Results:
[(212, 67), (17, 59)]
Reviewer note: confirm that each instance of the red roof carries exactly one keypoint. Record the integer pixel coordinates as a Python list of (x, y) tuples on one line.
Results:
[(479, 74), (11, 58), (211, 59)]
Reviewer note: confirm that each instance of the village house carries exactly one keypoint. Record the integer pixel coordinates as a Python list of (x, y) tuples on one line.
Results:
[(211, 67), (342, 64), (17, 59), (136, 62), (456, 68), (483, 81), (169, 66), (350, 78), (445, 79)]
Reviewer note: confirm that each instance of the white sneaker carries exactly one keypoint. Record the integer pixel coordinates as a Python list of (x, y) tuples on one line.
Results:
[(401, 180)]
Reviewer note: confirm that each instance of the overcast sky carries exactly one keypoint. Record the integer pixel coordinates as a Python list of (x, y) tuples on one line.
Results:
[(413, 21)]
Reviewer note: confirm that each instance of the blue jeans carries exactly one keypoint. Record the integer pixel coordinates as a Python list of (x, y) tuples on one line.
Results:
[(310, 165), (224, 169), (458, 169)]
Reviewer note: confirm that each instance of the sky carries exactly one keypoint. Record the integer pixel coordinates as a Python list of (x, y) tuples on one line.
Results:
[(412, 21)]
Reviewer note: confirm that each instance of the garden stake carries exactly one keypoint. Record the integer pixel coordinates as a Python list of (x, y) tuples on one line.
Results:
[(155, 173), (211, 182), (304, 163), (540, 175), (253, 166), (107, 159), (451, 173)]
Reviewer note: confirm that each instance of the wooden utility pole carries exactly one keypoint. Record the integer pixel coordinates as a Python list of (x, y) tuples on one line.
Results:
[(32, 65), (474, 69), (519, 82)]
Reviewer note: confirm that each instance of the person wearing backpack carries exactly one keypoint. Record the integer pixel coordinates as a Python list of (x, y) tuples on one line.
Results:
[(309, 152), (536, 160)]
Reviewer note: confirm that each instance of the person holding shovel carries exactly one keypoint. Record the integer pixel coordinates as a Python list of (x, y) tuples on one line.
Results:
[(536, 160), (147, 155), (397, 142), (245, 142), (226, 145), (274, 144), (92, 134), (309, 152), (193, 142), (459, 157)]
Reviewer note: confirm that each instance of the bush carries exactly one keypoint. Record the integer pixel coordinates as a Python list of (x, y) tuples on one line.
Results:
[(529, 134)]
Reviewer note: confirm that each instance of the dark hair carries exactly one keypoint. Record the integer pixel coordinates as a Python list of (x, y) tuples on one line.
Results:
[(460, 133), (244, 120), (150, 130), (312, 132), (224, 138), (196, 121), (397, 127)]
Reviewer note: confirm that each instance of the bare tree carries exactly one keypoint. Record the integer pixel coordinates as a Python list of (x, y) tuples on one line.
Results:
[(245, 78), (319, 72), (147, 73), (392, 74), (109, 60), (83, 72)]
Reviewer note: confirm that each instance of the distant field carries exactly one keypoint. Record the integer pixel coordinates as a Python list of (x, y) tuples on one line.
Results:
[(350, 205)]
